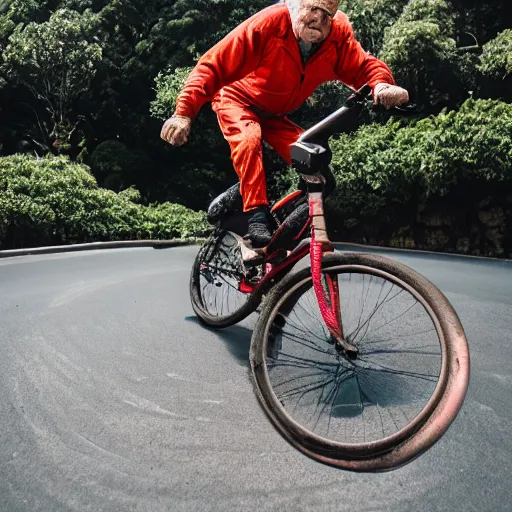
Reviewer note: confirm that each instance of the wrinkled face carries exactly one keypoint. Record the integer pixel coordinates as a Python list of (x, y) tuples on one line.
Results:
[(311, 19)]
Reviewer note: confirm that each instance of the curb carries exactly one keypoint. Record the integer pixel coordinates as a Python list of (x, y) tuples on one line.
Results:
[(419, 251), (163, 244), (155, 244)]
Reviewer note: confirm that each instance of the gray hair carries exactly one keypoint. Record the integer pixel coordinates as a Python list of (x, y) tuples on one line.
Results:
[(293, 9)]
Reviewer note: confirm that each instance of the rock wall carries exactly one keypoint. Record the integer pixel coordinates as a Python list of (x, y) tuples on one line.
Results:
[(479, 227)]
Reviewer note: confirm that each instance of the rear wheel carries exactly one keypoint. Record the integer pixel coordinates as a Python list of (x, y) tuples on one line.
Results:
[(215, 282), (395, 399)]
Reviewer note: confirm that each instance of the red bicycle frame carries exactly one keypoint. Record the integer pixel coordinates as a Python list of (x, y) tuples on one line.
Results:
[(325, 287)]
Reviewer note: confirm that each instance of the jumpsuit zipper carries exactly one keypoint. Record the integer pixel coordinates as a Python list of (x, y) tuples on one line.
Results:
[(303, 67)]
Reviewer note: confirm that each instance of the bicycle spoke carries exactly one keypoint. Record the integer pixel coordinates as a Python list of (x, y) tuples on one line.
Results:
[(373, 396)]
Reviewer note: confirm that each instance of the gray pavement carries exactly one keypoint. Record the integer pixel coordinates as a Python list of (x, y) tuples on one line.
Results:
[(114, 398)]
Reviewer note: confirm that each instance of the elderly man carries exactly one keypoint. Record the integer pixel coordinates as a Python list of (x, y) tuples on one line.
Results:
[(264, 69)]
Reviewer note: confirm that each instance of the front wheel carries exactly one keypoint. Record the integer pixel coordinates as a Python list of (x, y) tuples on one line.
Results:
[(389, 404)]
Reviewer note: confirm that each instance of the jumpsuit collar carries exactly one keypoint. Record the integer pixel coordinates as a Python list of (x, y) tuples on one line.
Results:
[(302, 55)]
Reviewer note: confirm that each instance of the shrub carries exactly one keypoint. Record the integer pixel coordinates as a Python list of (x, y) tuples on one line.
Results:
[(496, 58), (168, 86), (388, 164), (51, 200)]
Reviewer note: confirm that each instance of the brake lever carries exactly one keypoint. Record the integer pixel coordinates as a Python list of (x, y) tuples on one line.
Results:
[(405, 110), (364, 93)]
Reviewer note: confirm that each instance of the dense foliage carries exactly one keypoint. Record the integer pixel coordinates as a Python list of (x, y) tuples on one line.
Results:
[(93, 80), (471, 147), (50, 200)]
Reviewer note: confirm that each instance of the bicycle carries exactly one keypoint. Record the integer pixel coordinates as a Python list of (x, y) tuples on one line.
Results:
[(357, 360)]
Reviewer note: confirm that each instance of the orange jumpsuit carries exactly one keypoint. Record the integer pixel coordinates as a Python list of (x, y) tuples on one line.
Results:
[(255, 76)]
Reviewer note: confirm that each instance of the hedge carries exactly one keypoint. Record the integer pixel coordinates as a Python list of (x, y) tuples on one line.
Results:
[(51, 200), (383, 165)]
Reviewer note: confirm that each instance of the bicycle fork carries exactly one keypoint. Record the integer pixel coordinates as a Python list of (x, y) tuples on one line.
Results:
[(325, 287)]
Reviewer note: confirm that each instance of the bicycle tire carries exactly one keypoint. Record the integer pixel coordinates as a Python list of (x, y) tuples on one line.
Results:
[(231, 266), (433, 420)]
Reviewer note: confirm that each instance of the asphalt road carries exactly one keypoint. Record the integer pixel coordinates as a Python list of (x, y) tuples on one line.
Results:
[(114, 398)]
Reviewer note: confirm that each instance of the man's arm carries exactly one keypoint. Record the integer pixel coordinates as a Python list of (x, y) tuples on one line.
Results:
[(232, 58), (356, 67)]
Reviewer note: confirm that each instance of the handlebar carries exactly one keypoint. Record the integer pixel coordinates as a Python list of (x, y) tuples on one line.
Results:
[(345, 119), (407, 109)]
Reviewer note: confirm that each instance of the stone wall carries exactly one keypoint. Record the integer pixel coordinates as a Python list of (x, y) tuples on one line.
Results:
[(479, 227)]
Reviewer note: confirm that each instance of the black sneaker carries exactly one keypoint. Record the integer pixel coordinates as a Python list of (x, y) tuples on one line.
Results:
[(259, 231), (225, 204)]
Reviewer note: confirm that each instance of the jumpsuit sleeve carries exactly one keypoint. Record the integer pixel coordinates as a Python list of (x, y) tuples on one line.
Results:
[(232, 58), (355, 66)]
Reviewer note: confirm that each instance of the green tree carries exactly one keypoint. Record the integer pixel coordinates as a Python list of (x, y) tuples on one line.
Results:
[(421, 51), (370, 18), (442, 50), (496, 59), (56, 63), (496, 67)]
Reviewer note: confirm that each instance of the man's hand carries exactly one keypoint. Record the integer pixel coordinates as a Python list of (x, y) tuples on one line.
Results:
[(176, 130), (389, 95)]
